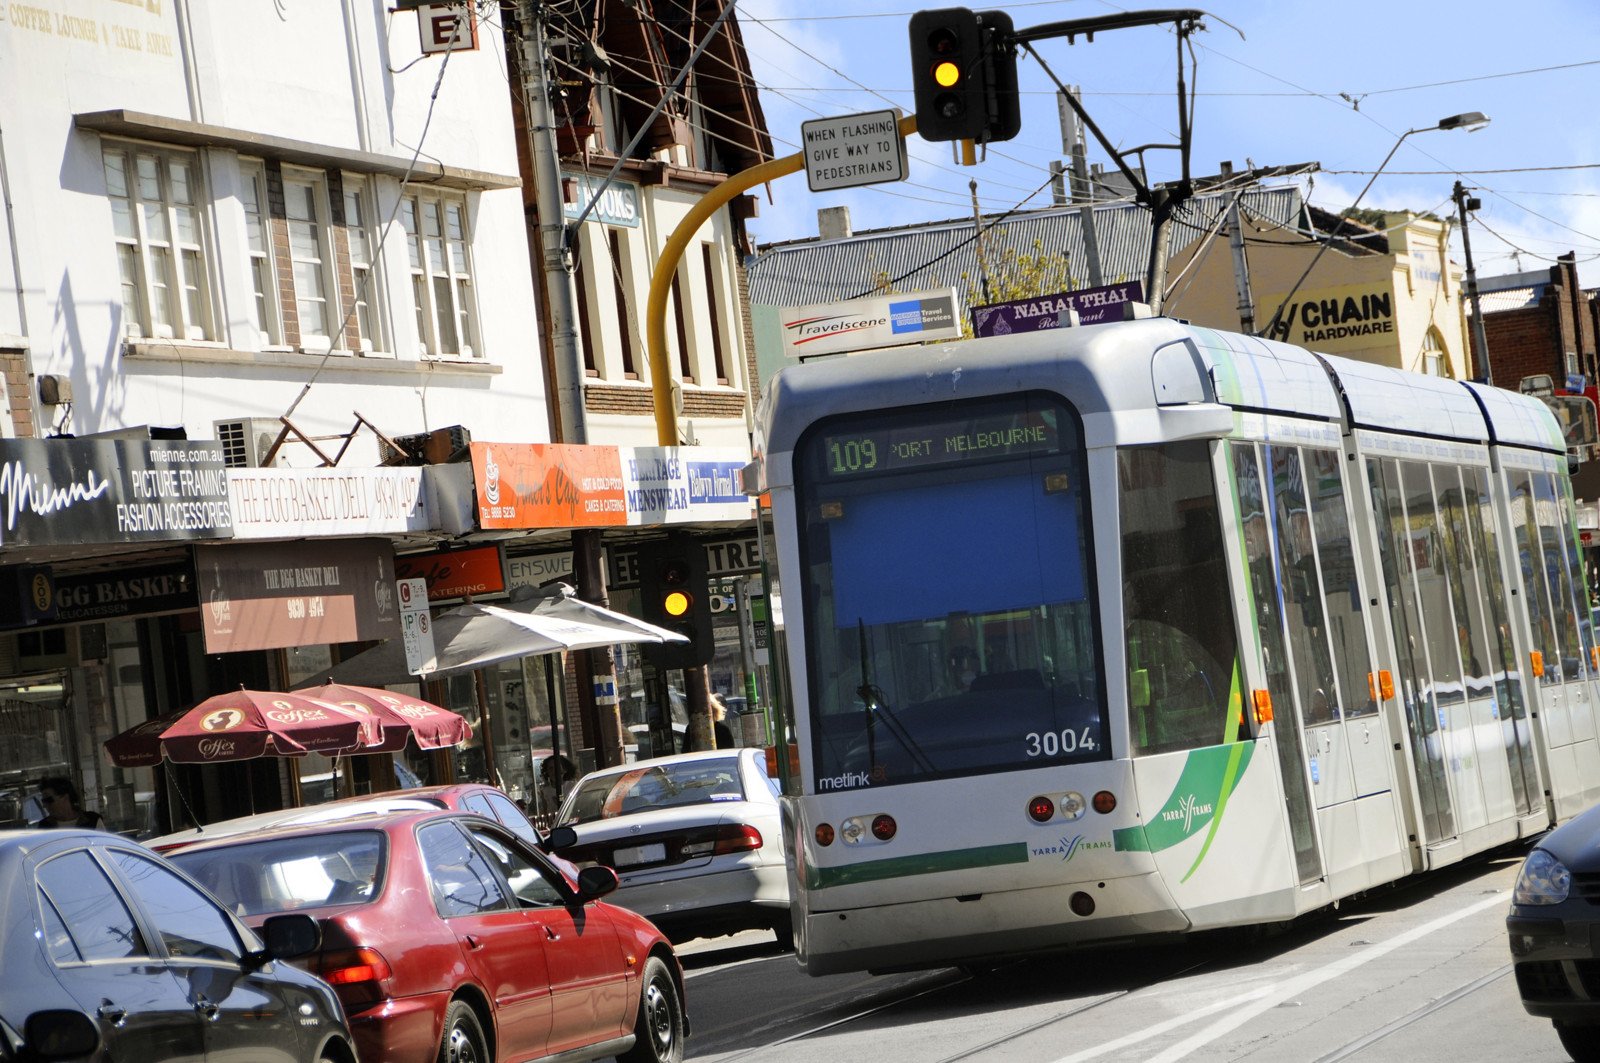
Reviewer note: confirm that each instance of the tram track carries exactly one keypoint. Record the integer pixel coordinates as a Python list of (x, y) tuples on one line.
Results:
[(1412, 1017)]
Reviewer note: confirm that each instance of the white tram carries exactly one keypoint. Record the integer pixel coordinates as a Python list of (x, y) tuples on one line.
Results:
[(1145, 628)]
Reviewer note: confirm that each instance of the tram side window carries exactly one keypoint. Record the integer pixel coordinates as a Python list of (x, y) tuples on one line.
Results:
[(1251, 486), (1340, 588), (1181, 644), (1301, 588), (1547, 512), (1526, 528), (1433, 588)]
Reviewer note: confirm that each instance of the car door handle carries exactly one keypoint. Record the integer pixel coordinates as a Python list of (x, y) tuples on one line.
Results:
[(207, 1009), (111, 1013), (473, 943), (550, 932)]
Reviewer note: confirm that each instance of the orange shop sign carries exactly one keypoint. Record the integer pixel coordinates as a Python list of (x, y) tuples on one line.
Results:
[(548, 485), (455, 573)]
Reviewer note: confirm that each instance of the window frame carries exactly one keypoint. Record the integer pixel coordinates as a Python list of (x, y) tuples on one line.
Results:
[(315, 183), (416, 211), (184, 320), (357, 190), (267, 299)]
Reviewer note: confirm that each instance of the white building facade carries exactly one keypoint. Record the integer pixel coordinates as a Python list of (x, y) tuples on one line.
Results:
[(211, 205)]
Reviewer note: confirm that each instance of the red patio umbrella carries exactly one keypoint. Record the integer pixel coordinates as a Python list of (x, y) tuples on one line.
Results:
[(244, 724), (402, 717), (140, 746)]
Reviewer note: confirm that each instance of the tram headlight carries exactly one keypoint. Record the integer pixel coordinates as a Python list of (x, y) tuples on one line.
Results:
[(1543, 880), (851, 831), (1073, 805)]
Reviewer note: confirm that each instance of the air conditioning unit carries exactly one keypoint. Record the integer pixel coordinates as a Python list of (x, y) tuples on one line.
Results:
[(246, 440)]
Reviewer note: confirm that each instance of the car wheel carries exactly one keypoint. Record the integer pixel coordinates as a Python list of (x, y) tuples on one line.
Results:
[(463, 1036), (658, 1031), (783, 930), (1581, 1042)]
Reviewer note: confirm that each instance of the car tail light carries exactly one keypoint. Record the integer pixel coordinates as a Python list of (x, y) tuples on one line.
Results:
[(883, 827), (359, 976), (723, 840)]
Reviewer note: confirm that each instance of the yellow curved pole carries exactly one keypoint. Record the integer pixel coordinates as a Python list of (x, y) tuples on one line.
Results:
[(661, 280)]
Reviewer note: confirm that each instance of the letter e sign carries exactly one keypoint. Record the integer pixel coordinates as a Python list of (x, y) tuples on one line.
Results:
[(447, 27)]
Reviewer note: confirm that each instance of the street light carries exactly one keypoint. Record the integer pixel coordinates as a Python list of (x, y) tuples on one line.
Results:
[(1471, 121)]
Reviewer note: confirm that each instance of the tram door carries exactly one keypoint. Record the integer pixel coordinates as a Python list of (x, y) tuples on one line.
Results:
[(1447, 609), (1258, 516), (1546, 555)]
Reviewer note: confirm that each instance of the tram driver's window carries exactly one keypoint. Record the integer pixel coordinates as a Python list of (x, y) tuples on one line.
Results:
[(1179, 629)]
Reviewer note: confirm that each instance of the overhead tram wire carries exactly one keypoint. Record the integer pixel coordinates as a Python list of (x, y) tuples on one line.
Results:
[(806, 106), (950, 202)]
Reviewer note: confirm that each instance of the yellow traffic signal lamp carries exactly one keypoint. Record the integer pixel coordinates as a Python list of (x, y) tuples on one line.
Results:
[(677, 603), (946, 74), (675, 595)]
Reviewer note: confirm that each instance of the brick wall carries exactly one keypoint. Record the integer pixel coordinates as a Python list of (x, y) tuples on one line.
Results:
[(19, 392), (1537, 339), (611, 398)]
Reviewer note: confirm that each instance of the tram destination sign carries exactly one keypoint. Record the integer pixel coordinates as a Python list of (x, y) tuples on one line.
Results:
[(955, 441), (853, 150)]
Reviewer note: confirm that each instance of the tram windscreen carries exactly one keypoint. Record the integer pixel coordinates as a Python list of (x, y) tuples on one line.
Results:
[(948, 595)]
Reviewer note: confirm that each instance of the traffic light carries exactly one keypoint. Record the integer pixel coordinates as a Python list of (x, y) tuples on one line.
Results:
[(676, 596), (964, 70)]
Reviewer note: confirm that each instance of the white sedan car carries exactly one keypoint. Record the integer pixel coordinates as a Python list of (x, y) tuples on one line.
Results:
[(696, 839)]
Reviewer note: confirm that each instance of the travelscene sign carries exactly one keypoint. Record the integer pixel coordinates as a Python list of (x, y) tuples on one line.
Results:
[(1094, 306), (876, 321), (102, 491), (295, 503)]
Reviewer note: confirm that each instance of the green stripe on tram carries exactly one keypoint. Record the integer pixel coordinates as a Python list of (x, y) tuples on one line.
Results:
[(921, 864)]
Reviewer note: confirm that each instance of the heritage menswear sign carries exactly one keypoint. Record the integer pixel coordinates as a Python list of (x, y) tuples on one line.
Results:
[(101, 491)]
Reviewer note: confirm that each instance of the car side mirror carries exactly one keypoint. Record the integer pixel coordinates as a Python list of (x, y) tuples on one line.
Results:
[(60, 1034), (595, 882), (288, 936), (559, 838)]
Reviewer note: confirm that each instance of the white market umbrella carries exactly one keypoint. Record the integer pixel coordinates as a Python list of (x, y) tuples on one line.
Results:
[(475, 636)]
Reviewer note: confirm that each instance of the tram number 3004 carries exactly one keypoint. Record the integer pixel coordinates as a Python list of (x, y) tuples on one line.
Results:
[(1054, 743)]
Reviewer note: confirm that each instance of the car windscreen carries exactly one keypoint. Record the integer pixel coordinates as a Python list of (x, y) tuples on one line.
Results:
[(289, 873), (651, 786)]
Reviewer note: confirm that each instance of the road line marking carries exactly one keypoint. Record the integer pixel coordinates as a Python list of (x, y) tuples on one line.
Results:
[(1243, 1009)]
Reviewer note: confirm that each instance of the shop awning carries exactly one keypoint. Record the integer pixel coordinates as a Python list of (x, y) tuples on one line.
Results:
[(475, 636)]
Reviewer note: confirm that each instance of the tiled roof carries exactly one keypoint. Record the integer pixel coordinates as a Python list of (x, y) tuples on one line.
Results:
[(936, 254), (1509, 298)]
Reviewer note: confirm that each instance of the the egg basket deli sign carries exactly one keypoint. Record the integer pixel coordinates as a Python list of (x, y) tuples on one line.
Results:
[(876, 321), (72, 491)]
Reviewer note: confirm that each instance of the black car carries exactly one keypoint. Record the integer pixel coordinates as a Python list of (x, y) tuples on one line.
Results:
[(93, 923), (1555, 933)]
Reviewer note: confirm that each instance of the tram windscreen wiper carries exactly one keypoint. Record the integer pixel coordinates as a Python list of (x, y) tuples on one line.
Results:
[(875, 704)]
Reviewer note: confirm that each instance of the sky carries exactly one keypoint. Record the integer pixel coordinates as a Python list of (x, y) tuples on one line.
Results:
[(1277, 82)]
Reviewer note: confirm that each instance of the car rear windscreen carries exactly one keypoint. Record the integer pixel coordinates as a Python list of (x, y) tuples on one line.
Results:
[(287, 874)]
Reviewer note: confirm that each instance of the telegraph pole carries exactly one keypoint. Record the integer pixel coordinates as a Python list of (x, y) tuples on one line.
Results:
[(597, 677), (1465, 203)]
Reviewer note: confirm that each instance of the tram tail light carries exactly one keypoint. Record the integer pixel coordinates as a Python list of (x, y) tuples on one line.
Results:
[(1040, 809), (1385, 683), (1536, 662), (883, 827), (1105, 802), (1263, 704), (824, 834)]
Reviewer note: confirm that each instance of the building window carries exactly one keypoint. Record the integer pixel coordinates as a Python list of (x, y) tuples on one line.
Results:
[(161, 258), (253, 194), (679, 312), (441, 274), (1434, 360), (719, 355), (305, 202), (626, 320), (363, 286)]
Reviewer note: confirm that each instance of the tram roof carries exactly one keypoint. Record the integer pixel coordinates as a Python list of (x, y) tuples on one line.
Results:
[(1116, 369)]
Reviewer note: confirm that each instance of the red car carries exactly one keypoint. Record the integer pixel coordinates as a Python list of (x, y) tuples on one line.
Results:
[(448, 937)]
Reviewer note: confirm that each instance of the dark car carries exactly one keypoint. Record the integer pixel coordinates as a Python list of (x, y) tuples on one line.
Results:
[(1554, 927), (448, 936), (96, 924)]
